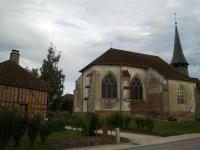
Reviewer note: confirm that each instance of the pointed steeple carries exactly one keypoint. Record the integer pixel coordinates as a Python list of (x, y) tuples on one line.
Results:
[(179, 61)]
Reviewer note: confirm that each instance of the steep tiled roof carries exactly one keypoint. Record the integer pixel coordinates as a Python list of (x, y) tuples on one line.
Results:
[(121, 57), (14, 75)]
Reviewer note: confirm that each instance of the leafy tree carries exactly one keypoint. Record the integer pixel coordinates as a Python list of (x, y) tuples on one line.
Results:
[(53, 77), (67, 103), (34, 72)]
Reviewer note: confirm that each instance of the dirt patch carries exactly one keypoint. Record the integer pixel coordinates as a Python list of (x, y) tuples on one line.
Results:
[(86, 141)]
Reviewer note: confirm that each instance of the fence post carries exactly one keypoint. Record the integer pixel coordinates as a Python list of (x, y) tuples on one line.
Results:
[(117, 134)]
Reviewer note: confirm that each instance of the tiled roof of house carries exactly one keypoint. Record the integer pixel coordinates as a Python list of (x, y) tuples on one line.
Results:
[(13, 74), (121, 57)]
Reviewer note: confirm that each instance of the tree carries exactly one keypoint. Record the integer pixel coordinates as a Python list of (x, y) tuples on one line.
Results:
[(34, 72), (53, 77), (67, 103)]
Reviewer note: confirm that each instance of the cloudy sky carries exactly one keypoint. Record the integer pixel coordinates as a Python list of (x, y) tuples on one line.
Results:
[(84, 29)]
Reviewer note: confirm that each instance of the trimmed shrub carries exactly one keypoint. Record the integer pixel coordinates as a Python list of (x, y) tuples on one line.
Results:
[(104, 125), (75, 121), (45, 130), (94, 124), (140, 122), (85, 124), (57, 125), (33, 129), (6, 125), (116, 120), (127, 120), (149, 123), (19, 127), (172, 118)]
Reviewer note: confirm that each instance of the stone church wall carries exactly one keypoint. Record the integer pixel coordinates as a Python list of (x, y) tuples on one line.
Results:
[(78, 96), (197, 103), (153, 103), (159, 99), (187, 109)]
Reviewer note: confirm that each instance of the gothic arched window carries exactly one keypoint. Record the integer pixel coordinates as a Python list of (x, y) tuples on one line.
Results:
[(136, 89), (109, 86), (181, 95)]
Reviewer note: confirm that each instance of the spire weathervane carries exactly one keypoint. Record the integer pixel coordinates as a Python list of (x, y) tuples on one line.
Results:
[(175, 18), (110, 44)]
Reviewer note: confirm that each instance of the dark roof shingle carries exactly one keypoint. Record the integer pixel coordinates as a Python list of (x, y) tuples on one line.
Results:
[(121, 57), (14, 75)]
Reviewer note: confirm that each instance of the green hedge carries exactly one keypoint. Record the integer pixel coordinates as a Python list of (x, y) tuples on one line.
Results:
[(14, 124)]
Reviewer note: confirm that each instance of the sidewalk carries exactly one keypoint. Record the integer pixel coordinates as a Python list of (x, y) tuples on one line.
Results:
[(138, 140)]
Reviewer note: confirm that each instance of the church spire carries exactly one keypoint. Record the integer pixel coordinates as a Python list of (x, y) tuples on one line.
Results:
[(179, 61)]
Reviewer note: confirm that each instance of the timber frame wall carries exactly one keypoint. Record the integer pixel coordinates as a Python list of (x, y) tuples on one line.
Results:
[(34, 100)]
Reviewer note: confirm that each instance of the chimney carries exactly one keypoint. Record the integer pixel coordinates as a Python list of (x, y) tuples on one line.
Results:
[(14, 56)]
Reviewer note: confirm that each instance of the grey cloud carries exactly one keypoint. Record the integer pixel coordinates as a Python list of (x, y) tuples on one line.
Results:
[(68, 24), (83, 29)]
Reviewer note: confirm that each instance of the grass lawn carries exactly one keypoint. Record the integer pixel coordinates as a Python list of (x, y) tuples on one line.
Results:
[(64, 139), (39, 146), (168, 128)]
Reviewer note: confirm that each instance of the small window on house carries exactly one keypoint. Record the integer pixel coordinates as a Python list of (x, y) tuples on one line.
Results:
[(136, 89), (109, 86), (181, 95)]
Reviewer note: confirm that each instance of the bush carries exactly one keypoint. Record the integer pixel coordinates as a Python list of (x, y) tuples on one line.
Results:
[(75, 121), (94, 124), (19, 127), (149, 124), (33, 129), (171, 118), (84, 124), (127, 120), (59, 115), (45, 130), (57, 125), (6, 125), (116, 120), (140, 122)]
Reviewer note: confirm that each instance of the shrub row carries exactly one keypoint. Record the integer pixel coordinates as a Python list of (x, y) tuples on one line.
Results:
[(143, 122), (89, 123), (13, 124)]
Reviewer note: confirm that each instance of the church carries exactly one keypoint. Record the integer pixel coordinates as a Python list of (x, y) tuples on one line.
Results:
[(137, 83)]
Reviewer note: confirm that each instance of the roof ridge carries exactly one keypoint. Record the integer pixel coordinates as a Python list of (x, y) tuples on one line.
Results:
[(132, 52)]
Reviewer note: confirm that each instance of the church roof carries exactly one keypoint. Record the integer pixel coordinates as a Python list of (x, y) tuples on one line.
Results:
[(121, 57), (178, 56), (12, 74)]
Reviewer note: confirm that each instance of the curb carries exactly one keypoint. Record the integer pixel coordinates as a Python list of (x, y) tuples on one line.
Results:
[(143, 146)]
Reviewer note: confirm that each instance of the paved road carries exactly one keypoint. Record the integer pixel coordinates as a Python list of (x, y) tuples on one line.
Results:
[(182, 145)]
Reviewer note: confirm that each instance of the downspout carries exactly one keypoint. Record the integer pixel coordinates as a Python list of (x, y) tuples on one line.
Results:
[(82, 91), (168, 97), (18, 95), (120, 89)]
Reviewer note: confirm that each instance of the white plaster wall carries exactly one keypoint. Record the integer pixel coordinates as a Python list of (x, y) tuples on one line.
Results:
[(103, 70), (189, 104)]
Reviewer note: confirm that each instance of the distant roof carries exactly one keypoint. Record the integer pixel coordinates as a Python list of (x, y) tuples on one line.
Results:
[(13, 74), (122, 57)]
